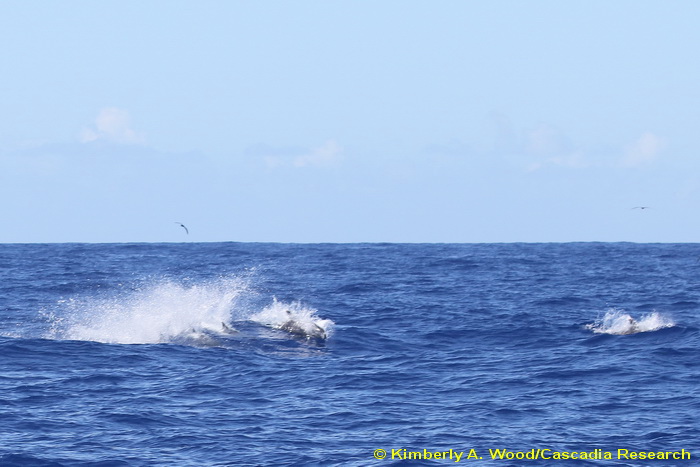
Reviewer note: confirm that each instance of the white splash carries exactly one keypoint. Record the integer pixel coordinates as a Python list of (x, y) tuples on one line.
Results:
[(619, 322), (159, 313), (279, 314)]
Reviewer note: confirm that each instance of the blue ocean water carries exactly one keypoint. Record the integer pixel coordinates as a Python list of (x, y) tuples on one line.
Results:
[(178, 354)]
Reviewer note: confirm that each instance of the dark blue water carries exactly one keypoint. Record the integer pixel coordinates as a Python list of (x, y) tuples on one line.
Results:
[(116, 355)]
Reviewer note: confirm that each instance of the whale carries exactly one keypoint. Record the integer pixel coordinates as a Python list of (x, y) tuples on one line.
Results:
[(226, 329), (296, 329), (633, 327)]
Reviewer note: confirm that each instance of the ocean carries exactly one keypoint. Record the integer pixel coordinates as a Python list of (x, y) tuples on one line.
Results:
[(245, 354)]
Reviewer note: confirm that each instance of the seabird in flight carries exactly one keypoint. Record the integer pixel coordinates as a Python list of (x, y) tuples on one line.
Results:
[(641, 207), (183, 226)]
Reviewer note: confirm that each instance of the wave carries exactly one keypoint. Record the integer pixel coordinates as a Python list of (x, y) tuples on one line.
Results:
[(170, 312), (619, 322)]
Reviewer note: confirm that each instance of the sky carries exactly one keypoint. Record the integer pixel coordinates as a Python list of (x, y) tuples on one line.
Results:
[(349, 121)]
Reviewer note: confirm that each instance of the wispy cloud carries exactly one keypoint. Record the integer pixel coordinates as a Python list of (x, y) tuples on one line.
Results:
[(327, 155), (643, 151), (546, 140), (575, 160), (113, 125), (330, 153), (549, 146)]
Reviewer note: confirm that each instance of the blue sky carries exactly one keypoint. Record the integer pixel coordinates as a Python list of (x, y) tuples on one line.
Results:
[(349, 121)]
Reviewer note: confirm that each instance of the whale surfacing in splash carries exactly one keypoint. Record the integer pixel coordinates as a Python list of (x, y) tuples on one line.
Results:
[(308, 330), (296, 320), (620, 323)]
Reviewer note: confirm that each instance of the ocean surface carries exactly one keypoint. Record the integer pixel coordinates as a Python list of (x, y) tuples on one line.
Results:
[(243, 354)]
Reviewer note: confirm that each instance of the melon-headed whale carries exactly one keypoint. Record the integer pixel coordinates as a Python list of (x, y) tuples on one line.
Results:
[(312, 331), (226, 329), (632, 326)]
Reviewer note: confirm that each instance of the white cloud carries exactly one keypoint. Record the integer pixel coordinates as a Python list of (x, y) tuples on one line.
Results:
[(327, 155), (643, 151), (574, 160), (551, 147), (273, 162), (505, 138), (546, 140), (113, 125)]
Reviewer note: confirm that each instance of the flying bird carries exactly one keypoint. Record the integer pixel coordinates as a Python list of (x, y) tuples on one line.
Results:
[(183, 226), (641, 207)]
